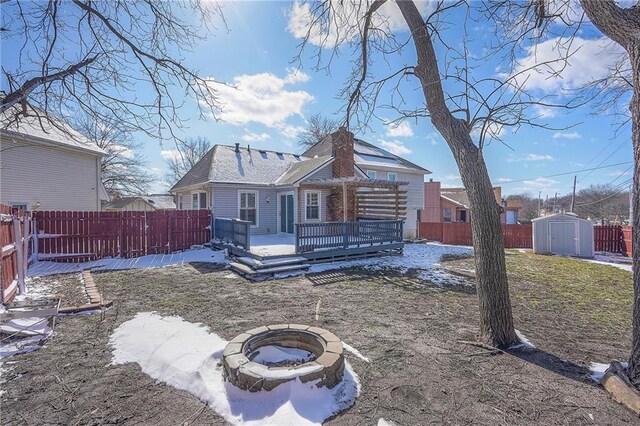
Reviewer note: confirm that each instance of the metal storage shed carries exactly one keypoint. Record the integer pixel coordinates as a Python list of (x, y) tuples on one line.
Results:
[(564, 234)]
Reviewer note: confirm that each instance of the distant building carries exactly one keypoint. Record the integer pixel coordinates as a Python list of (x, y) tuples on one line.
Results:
[(142, 203), (45, 166), (452, 205)]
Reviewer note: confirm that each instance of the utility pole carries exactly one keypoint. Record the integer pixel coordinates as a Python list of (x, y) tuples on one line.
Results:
[(539, 199), (555, 199), (573, 196)]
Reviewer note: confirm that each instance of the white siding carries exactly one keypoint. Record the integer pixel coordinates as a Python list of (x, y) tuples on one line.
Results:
[(225, 204), (57, 178), (325, 173)]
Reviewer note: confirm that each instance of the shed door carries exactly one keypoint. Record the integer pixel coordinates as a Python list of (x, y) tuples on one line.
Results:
[(563, 238)]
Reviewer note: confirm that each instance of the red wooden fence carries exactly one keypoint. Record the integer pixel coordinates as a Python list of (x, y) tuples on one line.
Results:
[(627, 241), (612, 238), (80, 236), (12, 266), (515, 236)]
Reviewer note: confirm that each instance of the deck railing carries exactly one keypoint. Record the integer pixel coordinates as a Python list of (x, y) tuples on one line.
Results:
[(344, 235), (234, 231)]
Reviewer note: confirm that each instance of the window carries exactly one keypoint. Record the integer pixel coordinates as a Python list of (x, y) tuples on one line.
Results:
[(248, 209), (446, 214), (199, 200), (19, 205), (312, 205), (372, 174), (392, 176)]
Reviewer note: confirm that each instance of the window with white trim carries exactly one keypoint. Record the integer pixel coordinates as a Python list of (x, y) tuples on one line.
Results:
[(199, 200), (392, 176), (312, 205), (248, 206), (372, 174)]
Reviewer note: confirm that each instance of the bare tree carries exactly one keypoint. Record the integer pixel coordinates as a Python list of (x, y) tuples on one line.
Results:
[(469, 111), (318, 126), (124, 170), (622, 25), (117, 60), (185, 156)]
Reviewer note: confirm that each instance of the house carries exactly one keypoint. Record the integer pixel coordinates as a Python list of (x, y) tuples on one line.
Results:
[(333, 181), (452, 205), (47, 165), (141, 203)]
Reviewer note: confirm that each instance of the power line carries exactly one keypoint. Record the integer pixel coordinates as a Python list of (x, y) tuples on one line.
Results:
[(608, 156), (567, 173)]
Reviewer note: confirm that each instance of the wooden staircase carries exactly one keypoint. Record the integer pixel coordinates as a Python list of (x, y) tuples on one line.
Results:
[(260, 270)]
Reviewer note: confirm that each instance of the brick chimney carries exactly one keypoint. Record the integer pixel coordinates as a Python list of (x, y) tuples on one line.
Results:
[(342, 145)]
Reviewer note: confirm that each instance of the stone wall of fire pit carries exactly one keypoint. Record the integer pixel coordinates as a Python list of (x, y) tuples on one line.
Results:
[(327, 367)]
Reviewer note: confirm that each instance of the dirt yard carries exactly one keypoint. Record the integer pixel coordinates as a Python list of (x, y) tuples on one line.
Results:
[(419, 373)]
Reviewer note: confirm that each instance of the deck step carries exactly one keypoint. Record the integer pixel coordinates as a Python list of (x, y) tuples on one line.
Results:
[(265, 273), (271, 263)]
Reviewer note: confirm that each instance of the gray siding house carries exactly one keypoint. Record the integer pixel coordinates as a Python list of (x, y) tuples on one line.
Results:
[(274, 190)]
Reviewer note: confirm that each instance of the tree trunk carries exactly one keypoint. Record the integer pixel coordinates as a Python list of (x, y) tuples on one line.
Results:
[(496, 319), (623, 26), (634, 358)]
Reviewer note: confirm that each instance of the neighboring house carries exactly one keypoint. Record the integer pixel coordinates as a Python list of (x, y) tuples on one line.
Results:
[(452, 205), (141, 203), (48, 167), (274, 190)]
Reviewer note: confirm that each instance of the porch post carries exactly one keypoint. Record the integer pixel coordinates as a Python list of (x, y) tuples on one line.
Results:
[(345, 203)]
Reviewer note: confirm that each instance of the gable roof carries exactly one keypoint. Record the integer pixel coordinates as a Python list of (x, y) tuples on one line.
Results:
[(299, 170), (222, 164), (157, 201), (366, 154), (44, 128)]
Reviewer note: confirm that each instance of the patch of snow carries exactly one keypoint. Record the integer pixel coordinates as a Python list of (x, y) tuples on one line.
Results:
[(187, 355), (611, 261), (273, 244), (355, 352), (384, 422), (43, 268), (524, 342), (273, 354), (421, 257), (598, 369)]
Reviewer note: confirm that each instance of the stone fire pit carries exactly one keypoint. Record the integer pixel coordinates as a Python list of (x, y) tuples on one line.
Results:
[(312, 353)]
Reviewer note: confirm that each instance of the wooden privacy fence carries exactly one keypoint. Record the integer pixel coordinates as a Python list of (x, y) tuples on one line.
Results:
[(515, 236), (79, 236), (611, 238), (15, 251)]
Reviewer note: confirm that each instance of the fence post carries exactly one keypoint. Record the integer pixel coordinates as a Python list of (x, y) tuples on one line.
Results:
[(297, 236), (120, 236), (345, 235), (17, 236)]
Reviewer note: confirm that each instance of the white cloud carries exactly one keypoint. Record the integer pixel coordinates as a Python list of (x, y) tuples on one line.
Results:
[(619, 173), (531, 157), (263, 98), (399, 130), (170, 154), (255, 137), (433, 138), (120, 151), (544, 112), (503, 180), (567, 135), (342, 26), (540, 183), (588, 60), (395, 147), (290, 131)]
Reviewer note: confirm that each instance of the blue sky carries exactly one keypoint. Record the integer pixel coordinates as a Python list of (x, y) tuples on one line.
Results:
[(273, 98)]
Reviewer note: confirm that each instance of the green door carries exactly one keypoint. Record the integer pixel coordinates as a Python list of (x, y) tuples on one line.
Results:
[(286, 213)]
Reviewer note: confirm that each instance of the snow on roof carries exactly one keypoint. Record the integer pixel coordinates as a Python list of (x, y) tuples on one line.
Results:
[(222, 164), (39, 126), (301, 169)]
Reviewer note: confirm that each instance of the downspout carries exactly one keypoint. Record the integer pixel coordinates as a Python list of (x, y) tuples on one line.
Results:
[(98, 160)]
